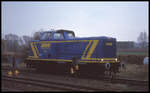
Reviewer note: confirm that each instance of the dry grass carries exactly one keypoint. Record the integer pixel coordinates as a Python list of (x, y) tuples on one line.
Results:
[(134, 71)]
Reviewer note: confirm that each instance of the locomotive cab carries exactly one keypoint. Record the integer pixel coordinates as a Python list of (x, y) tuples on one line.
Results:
[(57, 35)]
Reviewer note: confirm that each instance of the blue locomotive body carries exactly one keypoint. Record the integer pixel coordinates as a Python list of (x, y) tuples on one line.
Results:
[(93, 49), (62, 46)]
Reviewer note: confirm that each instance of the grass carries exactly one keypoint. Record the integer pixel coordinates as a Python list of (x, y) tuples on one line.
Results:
[(134, 71)]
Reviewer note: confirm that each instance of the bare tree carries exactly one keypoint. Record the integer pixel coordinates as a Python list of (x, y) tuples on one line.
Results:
[(3, 49), (37, 34), (26, 39), (11, 43), (143, 39)]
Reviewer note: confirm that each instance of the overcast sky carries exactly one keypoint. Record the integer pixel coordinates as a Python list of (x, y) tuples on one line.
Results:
[(122, 20)]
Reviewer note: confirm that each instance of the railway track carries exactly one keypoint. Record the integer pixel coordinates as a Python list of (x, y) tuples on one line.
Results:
[(130, 81), (121, 80), (50, 84), (114, 80), (9, 89)]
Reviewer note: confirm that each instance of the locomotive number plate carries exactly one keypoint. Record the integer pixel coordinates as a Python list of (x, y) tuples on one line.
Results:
[(108, 44), (45, 45)]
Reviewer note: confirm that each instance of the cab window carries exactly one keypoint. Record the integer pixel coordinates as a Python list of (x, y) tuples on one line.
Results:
[(71, 35), (58, 36), (46, 36)]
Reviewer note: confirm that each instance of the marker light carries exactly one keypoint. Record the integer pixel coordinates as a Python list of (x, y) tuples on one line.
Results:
[(16, 72), (10, 73), (77, 67), (116, 59), (71, 70)]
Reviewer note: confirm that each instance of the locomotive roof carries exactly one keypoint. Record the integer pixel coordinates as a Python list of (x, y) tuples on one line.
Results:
[(60, 30)]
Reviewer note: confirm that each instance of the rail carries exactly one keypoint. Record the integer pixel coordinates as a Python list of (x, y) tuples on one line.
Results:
[(50, 84)]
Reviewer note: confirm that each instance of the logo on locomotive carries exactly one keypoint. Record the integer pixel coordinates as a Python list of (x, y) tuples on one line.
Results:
[(45, 45)]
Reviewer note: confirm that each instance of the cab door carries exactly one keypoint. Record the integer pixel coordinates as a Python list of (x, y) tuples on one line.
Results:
[(46, 47), (59, 45)]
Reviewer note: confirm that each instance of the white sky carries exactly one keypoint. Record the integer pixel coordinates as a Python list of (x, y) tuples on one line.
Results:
[(122, 20)]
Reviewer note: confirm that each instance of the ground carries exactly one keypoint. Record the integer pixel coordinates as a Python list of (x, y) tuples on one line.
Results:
[(134, 71)]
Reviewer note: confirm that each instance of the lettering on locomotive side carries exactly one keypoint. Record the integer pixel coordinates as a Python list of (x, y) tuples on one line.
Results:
[(45, 45), (109, 44)]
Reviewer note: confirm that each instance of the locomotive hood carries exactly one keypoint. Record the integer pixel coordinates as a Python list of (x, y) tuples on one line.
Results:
[(94, 38)]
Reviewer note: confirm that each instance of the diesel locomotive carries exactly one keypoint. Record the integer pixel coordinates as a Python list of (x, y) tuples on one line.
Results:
[(60, 50)]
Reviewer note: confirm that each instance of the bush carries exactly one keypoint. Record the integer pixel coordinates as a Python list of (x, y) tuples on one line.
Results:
[(132, 59)]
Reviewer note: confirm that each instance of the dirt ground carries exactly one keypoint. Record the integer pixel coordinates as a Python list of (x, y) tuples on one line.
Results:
[(134, 71)]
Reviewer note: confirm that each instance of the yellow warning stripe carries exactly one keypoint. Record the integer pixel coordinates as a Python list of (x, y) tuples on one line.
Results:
[(36, 49), (86, 48), (33, 49), (50, 59), (90, 52), (62, 41), (100, 58), (71, 60)]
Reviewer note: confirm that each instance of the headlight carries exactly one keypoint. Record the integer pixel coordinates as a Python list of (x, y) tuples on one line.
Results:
[(116, 59), (102, 59)]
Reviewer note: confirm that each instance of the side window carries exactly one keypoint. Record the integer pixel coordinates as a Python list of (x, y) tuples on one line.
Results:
[(43, 36), (49, 35), (46, 36), (58, 36), (70, 35)]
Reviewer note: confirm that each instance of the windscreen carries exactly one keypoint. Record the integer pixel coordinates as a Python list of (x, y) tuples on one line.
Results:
[(46, 36)]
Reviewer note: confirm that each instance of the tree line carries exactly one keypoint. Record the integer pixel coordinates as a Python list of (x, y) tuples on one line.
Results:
[(15, 43), (143, 40)]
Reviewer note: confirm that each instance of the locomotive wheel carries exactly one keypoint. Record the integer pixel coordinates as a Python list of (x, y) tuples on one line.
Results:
[(28, 65)]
